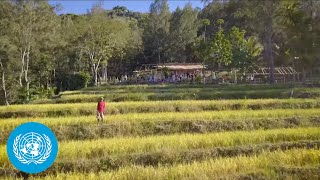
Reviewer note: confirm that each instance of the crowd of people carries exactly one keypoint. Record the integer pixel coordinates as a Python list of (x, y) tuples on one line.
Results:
[(196, 77), (169, 78)]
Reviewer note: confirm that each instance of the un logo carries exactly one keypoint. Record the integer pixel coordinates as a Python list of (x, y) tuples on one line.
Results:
[(32, 147)]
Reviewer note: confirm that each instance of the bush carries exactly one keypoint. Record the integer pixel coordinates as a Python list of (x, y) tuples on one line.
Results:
[(71, 81), (41, 93), (198, 79), (85, 77), (22, 97)]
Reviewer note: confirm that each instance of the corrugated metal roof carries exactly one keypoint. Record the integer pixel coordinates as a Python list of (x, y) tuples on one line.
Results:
[(181, 66)]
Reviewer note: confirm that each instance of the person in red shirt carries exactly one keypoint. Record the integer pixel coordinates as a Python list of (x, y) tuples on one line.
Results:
[(100, 110)]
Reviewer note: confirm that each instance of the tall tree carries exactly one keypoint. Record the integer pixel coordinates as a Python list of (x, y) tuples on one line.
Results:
[(7, 53), (183, 32), (299, 24), (205, 24), (44, 52), (120, 10), (226, 10), (132, 48), (245, 51), (261, 16), (156, 30), (101, 38), (220, 49), (31, 22)]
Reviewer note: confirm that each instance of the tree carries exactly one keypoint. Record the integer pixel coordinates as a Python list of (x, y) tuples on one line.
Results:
[(183, 32), (133, 48), (48, 41), (25, 24), (100, 39), (205, 23), (7, 53), (245, 52), (298, 20), (220, 49), (120, 10), (123, 58), (226, 10), (96, 45), (261, 17), (32, 27), (157, 29)]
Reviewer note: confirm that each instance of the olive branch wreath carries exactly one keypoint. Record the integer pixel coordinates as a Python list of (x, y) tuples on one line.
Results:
[(23, 160)]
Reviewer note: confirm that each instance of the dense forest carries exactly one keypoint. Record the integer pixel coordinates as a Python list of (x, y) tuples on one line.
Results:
[(42, 52)]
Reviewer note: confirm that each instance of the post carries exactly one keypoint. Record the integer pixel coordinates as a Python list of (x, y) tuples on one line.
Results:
[(235, 76)]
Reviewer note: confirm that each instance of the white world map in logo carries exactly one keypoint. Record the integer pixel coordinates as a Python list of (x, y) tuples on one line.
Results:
[(32, 148)]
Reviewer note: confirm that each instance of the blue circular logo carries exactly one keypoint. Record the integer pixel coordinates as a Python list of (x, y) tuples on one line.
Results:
[(32, 147)]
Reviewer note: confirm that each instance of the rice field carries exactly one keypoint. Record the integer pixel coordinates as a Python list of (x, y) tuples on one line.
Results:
[(182, 92), (85, 109), (298, 164), (234, 138)]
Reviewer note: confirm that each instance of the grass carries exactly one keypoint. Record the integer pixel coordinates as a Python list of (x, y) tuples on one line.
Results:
[(175, 143), (184, 141), (144, 87), (188, 136), (182, 94), (141, 124), (264, 165), (85, 109), (167, 157), (176, 89), (237, 115)]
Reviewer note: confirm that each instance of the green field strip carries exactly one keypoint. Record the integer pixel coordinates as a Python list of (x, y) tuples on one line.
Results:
[(210, 169), (59, 110), (201, 94), (127, 145), (85, 164), (81, 128)]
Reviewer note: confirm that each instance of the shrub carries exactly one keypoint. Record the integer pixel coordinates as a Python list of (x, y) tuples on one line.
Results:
[(85, 77)]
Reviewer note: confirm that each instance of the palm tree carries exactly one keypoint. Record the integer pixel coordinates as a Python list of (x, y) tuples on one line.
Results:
[(205, 23)]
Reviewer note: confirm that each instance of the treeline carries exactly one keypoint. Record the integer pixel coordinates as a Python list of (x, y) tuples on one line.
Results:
[(42, 52)]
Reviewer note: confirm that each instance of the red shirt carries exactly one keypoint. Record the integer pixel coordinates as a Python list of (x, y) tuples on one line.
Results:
[(101, 106)]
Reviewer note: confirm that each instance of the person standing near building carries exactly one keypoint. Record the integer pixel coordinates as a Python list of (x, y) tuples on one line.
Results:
[(252, 78), (101, 110)]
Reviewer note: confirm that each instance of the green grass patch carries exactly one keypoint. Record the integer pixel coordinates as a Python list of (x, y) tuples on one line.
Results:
[(69, 150), (242, 166), (85, 109), (183, 94), (143, 124)]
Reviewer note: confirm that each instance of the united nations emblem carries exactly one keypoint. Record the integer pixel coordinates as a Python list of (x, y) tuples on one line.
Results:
[(32, 147)]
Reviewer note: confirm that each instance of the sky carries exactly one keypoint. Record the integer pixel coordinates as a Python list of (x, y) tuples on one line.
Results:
[(81, 6)]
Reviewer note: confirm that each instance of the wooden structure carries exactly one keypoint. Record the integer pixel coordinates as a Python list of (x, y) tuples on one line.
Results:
[(184, 72), (282, 74), (277, 71)]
